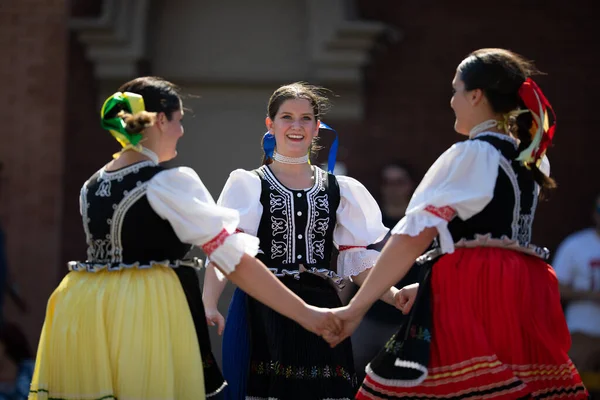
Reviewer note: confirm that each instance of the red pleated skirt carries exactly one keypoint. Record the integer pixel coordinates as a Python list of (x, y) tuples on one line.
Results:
[(498, 332)]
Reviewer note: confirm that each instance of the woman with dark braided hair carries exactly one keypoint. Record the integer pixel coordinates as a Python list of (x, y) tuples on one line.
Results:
[(128, 322), (485, 321)]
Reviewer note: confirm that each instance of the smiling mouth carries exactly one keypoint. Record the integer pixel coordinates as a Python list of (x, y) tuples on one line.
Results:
[(295, 137)]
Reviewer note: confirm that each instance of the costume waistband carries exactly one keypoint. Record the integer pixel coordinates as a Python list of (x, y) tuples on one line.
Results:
[(488, 241), (96, 266), (325, 273)]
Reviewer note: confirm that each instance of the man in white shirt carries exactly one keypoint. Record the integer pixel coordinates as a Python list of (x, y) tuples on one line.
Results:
[(577, 266)]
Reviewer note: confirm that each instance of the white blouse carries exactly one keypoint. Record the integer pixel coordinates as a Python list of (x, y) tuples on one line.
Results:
[(179, 196), (460, 183), (359, 220)]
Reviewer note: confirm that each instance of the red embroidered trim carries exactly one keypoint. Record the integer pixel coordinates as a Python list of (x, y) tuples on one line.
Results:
[(342, 248), (445, 213), (238, 230), (215, 242)]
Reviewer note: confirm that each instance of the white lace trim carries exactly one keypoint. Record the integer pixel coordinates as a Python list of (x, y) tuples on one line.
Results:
[(354, 261), (85, 205), (120, 173), (488, 241), (322, 272), (415, 223), (96, 267), (512, 176), (219, 390), (504, 243), (398, 382)]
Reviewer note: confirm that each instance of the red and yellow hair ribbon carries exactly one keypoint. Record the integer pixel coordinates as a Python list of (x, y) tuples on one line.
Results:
[(543, 127)]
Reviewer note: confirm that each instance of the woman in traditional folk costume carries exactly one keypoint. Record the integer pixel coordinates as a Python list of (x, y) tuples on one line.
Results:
[(300, 213), (486, 319), (119, 324)]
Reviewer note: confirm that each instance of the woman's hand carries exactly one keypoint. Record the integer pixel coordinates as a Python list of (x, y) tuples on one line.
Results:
[(405, 297), (214, 317), (320, 321), (350, 319)]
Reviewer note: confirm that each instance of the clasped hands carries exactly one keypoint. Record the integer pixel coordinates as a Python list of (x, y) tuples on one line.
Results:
[(335, 325)]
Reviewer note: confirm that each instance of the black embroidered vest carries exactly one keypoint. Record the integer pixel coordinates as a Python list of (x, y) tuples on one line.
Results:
[(297, 226), (509, 215), (120, 225)]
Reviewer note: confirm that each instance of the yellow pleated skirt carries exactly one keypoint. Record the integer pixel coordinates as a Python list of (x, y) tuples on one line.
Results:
[(125, 335)]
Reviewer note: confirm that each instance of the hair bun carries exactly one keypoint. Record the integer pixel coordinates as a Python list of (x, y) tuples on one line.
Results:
[(136, 123)]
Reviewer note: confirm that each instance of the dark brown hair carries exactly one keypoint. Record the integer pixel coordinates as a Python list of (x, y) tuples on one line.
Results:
[(159, 96), (499, 73), (317, 97)]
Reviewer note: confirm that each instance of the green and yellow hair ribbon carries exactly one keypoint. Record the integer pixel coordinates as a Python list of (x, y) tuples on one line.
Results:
[(112, 122)]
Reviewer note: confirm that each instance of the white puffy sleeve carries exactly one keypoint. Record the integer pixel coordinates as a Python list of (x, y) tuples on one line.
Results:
[(359, 224), (460, 183), (242, 193), (179, 196)]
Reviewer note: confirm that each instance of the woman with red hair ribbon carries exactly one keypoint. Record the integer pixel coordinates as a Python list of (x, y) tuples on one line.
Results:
[(485, 320)]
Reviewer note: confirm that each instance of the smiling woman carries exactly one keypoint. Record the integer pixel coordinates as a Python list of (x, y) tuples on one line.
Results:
[(294, 116), (300, 213)]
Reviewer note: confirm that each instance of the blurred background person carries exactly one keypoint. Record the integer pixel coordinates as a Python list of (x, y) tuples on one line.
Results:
[(577, 266), (397, 183)]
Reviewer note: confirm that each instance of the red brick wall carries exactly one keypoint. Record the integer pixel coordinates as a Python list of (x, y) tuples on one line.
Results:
[(33, 75), (408, 90)]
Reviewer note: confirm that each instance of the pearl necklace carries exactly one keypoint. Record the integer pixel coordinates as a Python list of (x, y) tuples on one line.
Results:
[(290, 160)]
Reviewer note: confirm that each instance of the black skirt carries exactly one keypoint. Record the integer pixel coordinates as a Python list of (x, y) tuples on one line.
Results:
[(214, 382), (288, 362)]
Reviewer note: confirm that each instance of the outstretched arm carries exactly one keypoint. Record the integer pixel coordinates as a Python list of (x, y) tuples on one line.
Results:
[(388, 296), (397, 256), (180, 197), (253, 277), (214, 284)]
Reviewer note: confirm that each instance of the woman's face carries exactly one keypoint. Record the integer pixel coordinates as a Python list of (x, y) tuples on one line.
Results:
[(462, 106), (294, 127), (171, 132), (397, 185)]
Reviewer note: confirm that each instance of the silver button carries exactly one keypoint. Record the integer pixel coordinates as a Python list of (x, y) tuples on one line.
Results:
[(299, 236), (299, 256), (299, 195), (299, 213)]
